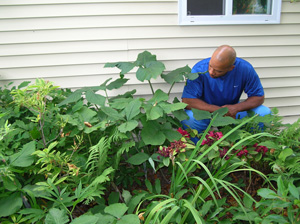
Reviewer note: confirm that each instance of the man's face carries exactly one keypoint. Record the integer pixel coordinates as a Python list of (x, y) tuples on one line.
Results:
[(217, 69)]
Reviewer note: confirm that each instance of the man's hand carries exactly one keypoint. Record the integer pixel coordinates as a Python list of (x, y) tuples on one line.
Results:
[(232, 110)]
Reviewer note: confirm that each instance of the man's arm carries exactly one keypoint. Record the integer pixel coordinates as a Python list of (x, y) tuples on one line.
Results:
[(199, 104), (249, 103)]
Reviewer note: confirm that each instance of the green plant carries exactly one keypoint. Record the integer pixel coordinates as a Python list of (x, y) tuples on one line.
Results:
[(283, 205)]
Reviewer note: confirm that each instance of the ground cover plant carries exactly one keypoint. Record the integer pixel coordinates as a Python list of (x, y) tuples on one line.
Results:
[(86, 157)]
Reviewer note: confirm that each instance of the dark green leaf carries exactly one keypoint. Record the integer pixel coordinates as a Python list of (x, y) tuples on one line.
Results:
[(132, 109), (144, 57), (267, 193), (176, 75), (151, 133), (128, 126), (95, 98), (85, 219), (159, 96), (117, 84), (10, 204), (74, 97), (153, 112), (23, 84), (112, 114), (131, 218), (151, 71), (117, 210), (125, 67), (103, 86), (201, 114), (56, 216), (138, 158), (24, 157), (135, 201), (221, 112), (293, 190), (180, 115), (192, 76), (120, 103), (223, 121)]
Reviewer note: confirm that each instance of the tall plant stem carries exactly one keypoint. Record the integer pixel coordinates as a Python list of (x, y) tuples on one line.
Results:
[(106, 97), (42, 129), (151, 87), (171, 88), (90, 139)]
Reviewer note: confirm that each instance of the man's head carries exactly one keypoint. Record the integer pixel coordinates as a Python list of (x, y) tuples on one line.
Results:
[(221, 61)]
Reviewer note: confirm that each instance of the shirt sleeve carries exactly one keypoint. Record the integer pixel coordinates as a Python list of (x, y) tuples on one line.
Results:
[(253, 86), (193, 89)]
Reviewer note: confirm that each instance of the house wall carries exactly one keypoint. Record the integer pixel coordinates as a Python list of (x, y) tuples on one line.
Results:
[(69, 41)]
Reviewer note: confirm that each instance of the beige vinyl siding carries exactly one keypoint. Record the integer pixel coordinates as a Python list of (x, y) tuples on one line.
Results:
[(69, 41)]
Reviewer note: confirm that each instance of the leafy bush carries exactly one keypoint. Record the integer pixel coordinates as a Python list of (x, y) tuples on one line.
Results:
[(127, 160)]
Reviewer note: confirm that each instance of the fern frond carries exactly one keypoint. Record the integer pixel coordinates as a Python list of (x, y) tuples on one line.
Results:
[(98, 156)]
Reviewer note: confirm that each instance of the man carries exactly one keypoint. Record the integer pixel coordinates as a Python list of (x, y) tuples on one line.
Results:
[(227, 77)]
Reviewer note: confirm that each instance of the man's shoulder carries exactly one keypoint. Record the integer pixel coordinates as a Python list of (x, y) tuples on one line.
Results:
[(201, 65), (240, 62)]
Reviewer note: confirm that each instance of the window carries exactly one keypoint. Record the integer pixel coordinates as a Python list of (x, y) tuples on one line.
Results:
[(210, 12)]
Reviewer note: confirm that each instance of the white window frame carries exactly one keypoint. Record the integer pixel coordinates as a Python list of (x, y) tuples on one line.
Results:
[(228, 18)]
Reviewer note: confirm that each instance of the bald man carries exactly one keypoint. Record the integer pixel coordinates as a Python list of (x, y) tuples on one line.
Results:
[(222, 86)]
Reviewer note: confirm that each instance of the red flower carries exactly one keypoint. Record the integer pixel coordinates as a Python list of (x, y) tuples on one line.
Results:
[(260, 148), (211, 137), (183, 133)]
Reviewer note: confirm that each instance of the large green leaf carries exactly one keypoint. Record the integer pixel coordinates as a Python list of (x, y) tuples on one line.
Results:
[(10, 204), (221, 112), (138, 158), (73, 97), (120, 103), (151, 133), (172, 135), (223, 121), (170, 107), (192, 76), (267, 193), (144, 57), (285, 153), (180, 115), (56, 216), (176, 75), (116, 84), (132, 109), (103, 86), (117, 210), (112, 114), (128, 126), (201, 114), (125, 67), (159, 96), (131, 218), (86, 219), (24, 157), (153, 112), (151, 70), (95, 98)]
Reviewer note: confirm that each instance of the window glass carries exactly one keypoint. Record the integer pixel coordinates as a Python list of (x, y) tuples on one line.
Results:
[(217, 12), (251, 7), (205, 7)]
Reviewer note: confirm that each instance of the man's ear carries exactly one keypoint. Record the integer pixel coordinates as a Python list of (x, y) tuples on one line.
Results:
[(231, 67)]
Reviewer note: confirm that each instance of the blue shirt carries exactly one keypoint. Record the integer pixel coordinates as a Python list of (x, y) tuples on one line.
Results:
[(226, 89)]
